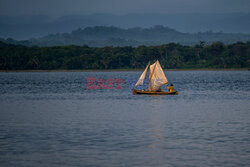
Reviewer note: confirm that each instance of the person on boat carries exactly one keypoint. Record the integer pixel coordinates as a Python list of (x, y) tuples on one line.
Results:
[(171, 88)]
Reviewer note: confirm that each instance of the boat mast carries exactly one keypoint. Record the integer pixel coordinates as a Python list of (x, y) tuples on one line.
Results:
[(150, 75)]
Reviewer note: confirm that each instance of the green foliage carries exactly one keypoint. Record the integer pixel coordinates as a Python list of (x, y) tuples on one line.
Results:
[(172, 55)]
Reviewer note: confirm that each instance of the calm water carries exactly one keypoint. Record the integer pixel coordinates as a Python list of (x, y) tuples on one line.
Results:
[(50, 119)]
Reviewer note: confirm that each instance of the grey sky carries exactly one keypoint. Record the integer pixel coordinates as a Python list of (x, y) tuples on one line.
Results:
[(64, 7)]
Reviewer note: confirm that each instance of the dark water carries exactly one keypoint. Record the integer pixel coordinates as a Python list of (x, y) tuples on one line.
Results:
[(50, 119)]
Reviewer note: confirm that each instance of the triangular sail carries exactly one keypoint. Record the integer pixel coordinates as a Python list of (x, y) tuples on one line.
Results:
[(157, 77), (142, 77)]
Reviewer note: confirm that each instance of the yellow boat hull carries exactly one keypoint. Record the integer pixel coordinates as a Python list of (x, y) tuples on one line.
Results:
[(145, 92)]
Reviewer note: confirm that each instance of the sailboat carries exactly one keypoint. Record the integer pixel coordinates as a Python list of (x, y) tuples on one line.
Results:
[(157, 79)]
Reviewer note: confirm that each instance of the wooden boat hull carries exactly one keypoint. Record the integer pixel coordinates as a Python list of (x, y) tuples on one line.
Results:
[(145, 92)]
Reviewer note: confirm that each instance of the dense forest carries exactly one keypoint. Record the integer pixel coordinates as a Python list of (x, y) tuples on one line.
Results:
[(102, 36), (171, 56)]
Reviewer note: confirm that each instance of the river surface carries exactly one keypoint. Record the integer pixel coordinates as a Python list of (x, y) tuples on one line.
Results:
[(51, 119)]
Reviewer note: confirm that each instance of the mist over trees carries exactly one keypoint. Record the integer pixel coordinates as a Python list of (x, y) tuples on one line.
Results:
[(26, 27), (101, 36), (172, 55)]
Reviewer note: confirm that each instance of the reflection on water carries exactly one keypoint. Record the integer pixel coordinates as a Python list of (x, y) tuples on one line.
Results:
[(50, 119)]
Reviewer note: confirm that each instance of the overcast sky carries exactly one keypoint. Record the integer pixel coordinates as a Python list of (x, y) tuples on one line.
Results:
[(64, 7)]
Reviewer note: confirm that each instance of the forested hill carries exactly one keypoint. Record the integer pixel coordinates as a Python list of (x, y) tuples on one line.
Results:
[(172, 55), (26, 27), (101, 36)]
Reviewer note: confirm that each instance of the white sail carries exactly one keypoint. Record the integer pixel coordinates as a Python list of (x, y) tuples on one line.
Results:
[(142, 77), (157, 77)]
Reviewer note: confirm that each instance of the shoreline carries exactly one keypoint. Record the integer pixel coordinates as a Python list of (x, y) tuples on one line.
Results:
[(131, 70)]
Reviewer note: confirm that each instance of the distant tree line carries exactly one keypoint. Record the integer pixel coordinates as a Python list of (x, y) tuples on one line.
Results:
[(172, 55), (102, 36)]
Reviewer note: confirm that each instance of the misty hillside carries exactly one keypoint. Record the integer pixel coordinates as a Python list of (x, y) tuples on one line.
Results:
[(23, 28), (101, 36)]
